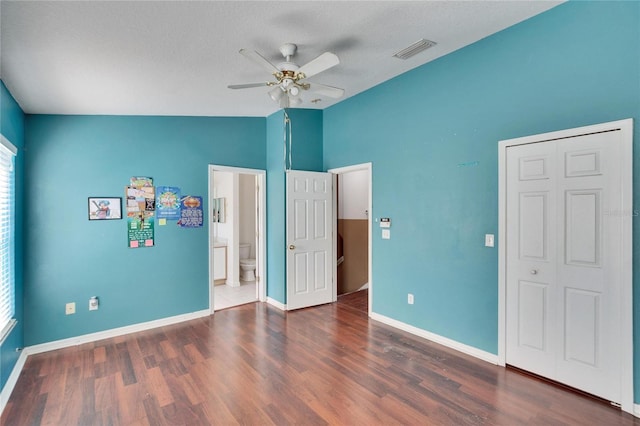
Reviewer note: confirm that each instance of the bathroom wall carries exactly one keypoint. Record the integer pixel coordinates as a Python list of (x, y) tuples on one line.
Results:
[(226, 185), (353, 235), (247, 211), (223, 187)]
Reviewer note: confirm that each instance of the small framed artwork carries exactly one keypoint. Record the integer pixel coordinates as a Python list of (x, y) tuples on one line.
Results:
[(105, 208)]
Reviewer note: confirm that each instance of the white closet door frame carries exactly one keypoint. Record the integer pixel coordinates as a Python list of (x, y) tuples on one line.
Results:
[(626, 296)]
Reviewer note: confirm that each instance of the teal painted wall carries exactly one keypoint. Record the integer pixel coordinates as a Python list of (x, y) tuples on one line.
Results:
[(306, 154), (307, 139), (276, 275), (12, 128), (432, 135), (70, 158)]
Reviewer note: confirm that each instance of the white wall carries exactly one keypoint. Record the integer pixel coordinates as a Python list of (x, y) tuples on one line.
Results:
[(226, 185), (247, 211), (223, 187), (356, 185)]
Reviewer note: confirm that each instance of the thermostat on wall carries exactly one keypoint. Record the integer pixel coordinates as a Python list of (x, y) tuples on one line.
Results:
[(385, 222)]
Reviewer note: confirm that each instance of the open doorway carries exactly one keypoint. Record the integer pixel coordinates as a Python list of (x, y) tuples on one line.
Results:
[(352, 230), (236, 236)]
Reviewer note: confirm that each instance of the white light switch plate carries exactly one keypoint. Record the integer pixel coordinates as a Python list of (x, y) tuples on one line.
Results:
[(489, 240), (386, 234)]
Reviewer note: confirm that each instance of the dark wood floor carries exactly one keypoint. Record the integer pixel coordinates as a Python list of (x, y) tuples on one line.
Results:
[(256, 365)]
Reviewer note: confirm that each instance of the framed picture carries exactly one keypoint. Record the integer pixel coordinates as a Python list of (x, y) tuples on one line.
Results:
[(105, 208)]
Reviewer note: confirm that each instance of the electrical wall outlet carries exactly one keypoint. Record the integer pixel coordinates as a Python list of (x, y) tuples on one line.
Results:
[(70, 308), (410, 299), (93, 303)]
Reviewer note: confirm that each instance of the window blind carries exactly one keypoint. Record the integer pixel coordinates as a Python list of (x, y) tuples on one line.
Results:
[(7, 236)]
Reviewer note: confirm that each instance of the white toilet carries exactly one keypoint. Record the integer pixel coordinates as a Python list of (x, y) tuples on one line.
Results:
[(247, 265)]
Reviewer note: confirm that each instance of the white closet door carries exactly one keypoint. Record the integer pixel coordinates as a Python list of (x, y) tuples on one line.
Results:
[(563, 261)]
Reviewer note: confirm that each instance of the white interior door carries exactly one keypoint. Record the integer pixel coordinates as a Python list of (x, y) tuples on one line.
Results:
[(309, 239), (564, 261)]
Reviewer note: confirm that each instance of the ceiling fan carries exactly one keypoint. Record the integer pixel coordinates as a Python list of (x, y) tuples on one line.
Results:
[(290, 78)]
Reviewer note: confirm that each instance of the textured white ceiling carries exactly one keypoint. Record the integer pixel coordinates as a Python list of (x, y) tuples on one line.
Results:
[(177, 57)]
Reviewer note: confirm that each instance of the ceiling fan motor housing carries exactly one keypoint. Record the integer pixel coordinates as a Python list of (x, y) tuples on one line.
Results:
[(287, 66), (288, 50)]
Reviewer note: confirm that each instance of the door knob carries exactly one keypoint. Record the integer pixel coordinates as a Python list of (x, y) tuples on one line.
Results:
[(292, 247), (534, 271)]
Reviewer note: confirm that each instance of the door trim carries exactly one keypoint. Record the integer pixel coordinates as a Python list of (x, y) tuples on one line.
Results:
[(337, 171), (261, 254), (626, 294)]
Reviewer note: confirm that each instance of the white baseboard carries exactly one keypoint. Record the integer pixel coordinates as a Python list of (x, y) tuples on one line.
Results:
[(276, 304), (11, 381), (444, 341), (114, 332), (636, 410)]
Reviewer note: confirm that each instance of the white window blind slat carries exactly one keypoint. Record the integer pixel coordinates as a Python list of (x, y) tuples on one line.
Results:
[(7, 235)]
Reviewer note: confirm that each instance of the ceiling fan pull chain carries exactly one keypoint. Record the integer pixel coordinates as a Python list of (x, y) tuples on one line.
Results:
[(287, 122), (290, 143), (284, 140)]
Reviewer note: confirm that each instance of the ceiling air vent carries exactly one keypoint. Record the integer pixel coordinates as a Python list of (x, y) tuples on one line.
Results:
[(414, 49)]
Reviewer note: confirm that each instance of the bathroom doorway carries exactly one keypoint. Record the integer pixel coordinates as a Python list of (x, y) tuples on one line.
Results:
[(236, 236), (352, 230)]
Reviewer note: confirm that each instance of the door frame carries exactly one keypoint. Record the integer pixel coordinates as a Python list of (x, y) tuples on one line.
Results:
[(626, 294), (261, 264), (338, 171)]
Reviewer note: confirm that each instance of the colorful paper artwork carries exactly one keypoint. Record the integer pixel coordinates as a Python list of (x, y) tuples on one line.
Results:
[(105, 208), (168, 202), (141, 204), (140, 181), (191, 212)]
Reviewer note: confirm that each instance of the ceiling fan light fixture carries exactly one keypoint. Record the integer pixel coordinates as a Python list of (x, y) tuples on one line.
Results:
[(414, 49), (276, 94), (294, 101), (294, 91)]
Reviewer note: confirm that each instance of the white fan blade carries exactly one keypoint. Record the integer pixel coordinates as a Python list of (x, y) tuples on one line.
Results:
[(319, 64), (247, 85), (259, 59), (330, 91)]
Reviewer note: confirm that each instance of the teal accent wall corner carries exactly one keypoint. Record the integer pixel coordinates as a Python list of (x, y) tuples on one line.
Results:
[(71, 158), (432, 135), (276, 275), (12, 128), (307, 139)]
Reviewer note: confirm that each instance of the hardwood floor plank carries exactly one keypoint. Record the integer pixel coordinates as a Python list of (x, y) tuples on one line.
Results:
[(35, 412), (255, 365), (99, 354), (125, 366), (154, 416), (158, 385)]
